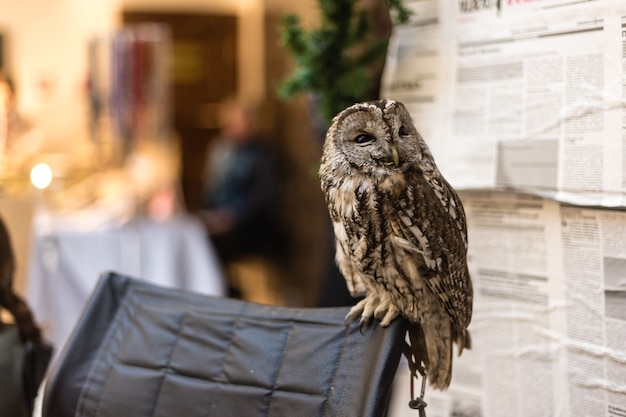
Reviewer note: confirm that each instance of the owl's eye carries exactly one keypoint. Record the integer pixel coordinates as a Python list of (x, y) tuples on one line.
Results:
[(364, 139), (402, 131)]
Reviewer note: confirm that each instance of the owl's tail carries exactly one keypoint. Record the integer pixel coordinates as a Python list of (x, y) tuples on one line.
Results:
[(430, 351)]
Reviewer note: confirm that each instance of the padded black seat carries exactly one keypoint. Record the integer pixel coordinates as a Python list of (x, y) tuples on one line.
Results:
[(141, 350)]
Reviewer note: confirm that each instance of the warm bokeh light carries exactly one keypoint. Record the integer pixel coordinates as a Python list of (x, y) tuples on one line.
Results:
[(41, 176)]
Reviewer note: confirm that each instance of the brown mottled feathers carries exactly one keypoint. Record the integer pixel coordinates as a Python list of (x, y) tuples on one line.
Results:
[(400, 230)]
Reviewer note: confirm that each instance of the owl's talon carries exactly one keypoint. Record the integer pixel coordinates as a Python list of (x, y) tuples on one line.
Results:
[(364, 309), (356, 311), (386, 313), (381, 311), (369, 306), (361, 325)]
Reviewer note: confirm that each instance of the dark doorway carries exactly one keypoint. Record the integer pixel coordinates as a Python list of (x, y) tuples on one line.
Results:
[(204, 73)]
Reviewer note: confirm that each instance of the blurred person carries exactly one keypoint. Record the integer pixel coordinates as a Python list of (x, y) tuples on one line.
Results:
[(240, 202), (20, 141), (13, 125)]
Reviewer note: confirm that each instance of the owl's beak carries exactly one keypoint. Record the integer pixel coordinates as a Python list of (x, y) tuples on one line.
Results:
[(394, 155)]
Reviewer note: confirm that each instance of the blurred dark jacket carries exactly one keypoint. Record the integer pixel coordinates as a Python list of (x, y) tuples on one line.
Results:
[(244, 179)]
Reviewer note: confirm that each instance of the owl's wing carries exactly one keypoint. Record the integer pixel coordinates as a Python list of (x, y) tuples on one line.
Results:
[(428, 222), (353, 279)]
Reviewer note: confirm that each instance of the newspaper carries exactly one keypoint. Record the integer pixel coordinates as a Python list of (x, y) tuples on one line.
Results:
[(522, 105), (549, 323), (518, 94)]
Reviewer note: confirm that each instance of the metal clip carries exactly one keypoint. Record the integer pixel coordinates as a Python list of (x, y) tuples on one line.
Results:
[(418, 403)]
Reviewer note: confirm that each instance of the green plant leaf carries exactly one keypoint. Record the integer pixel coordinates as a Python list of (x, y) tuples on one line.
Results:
[(334, 60)]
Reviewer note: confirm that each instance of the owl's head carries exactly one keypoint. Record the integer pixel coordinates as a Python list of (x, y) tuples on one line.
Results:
[(374, 138)]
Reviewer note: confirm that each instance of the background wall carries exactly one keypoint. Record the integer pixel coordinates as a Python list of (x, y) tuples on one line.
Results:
[(46, 46), (46, 51)]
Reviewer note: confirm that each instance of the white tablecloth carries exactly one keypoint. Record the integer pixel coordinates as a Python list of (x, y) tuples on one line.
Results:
[(65, 266)]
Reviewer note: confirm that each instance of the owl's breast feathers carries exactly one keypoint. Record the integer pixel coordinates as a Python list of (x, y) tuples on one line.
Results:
[(401, 231)]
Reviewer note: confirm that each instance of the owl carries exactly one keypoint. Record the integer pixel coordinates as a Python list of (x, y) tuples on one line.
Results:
[(401, 236)]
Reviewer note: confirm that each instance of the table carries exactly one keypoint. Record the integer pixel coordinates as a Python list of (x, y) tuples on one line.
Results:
[(65, 265)]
